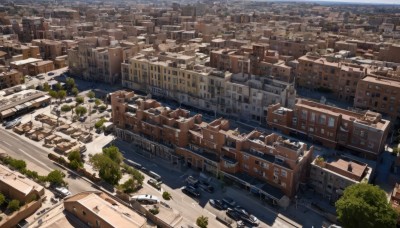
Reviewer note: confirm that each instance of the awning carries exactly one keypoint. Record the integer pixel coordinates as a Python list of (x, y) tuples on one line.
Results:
[(7, 112)]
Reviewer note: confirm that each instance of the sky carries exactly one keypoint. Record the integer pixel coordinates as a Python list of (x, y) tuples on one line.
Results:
[(358, 1)]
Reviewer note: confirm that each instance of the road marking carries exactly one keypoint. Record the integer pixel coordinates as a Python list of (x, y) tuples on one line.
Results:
[(44, 165), (6, 143)]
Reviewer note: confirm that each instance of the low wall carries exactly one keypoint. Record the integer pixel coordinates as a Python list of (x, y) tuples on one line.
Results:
[(24, 212)]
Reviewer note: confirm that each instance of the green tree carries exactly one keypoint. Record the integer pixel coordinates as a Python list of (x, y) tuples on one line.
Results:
[(70, 83), (75, 156), (202, 221), (58, 86), (75, 91), (18, 164), (2, 199), (65, 108), (166, 196), (99, 123), (129, 186), (56, 178), (79, 100), (80, 111), (102, 108), (46, 87), (113, 153), (61, 94), (13, 205), (53, 94), (109, 171), (365, 205), (90, 94), (97, 102)]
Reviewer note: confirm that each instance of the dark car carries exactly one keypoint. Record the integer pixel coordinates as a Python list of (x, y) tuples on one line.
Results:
[(233, 214), (241, 211), (13, 123), (82, 118), (206, 187), (190, 190), (229, 202), (50, 73), (217, 204), (69, 100)]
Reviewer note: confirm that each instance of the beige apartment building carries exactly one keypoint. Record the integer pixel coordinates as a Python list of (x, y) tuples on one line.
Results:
[(329, 74), (96, 63), (380, 94), (97, 209), (177, 77), (10, 78), (15, 186), (330, 176), (365, 133), (296, 48), (269, 165)]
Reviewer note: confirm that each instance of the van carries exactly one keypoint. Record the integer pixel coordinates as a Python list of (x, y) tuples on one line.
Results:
[(155, 176), (133, 164)]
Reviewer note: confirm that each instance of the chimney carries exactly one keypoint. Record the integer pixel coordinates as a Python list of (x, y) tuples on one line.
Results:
[(349, 167)]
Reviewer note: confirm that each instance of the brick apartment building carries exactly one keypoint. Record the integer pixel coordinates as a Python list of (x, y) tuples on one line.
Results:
[(333, 127), (380, 94), (33, 28), (269, 165), (330, 176), (94, 61), (10, 78), (329, 74)]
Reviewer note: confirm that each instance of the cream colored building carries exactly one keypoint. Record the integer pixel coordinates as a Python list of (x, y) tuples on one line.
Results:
[(178, 77)]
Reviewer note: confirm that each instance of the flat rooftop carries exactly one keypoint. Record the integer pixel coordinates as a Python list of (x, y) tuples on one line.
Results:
[(115, 214), (17, 181)]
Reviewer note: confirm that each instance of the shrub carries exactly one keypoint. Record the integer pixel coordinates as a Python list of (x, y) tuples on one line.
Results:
[(154, 210), (202, 221), (13, 205), (2, 199), (166, 196)]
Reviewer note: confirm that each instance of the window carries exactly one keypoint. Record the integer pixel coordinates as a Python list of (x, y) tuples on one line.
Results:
[(312, 119), (304, 114), (283, 173), (331, 122), (83, 212), (246, 157), (311, 129), (322, 131), (322, 119)]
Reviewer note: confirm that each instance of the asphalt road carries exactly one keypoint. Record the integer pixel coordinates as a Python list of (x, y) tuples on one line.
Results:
[(36, 158)]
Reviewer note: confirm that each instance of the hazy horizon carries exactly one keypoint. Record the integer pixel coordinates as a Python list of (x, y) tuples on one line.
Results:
[(397, 2)]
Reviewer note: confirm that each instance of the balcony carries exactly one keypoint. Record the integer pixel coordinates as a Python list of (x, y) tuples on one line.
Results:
[(208, 155)]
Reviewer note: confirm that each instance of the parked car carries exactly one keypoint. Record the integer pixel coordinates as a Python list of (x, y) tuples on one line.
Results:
[(192, 181), (253, 220), (229, 202), (62, 191), (50, 73), (155, 184), (69, 100), (241, 210), (154, 175), (12, 123), (206, 187), (218, 204), (82, 118), (190, 190), (233, 214)]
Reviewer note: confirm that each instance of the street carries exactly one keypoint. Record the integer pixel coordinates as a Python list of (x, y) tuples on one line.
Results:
[(174, 180), (36, 159)]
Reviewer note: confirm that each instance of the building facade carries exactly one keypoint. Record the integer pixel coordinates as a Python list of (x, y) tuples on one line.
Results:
[(268, 165), (10, 78), (380, 94), (333, 127), (177, 77), (329, 75), (331, 176)]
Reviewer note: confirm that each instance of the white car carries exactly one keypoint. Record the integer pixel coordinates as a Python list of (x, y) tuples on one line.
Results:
[(64, 192)]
